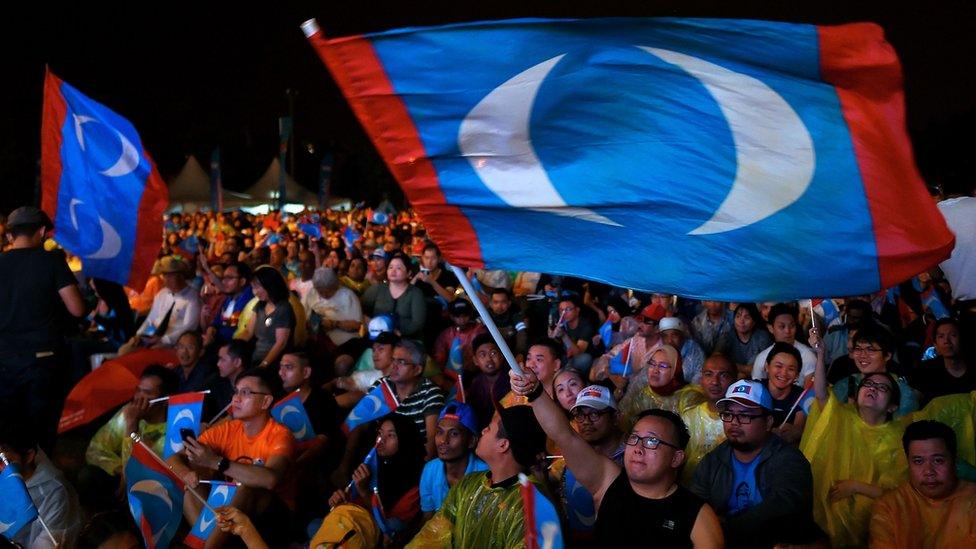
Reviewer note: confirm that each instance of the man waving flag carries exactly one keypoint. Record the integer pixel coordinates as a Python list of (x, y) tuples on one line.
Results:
[(735, 160)]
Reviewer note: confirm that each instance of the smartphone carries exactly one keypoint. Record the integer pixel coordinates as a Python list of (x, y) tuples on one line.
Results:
[(187, 433)]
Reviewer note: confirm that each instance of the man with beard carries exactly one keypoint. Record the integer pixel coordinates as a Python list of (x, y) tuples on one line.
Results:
[(762, 486), (455, 440)]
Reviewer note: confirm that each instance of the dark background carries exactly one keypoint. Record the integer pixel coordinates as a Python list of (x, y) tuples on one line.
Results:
[(191, 77)]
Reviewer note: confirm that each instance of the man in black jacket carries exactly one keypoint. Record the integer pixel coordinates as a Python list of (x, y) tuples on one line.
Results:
[(761, 486)]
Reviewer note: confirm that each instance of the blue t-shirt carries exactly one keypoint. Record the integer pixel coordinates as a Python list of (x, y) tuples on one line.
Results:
[(433, 482), (745, 493)]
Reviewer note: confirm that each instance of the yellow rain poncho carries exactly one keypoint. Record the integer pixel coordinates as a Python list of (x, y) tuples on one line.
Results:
[(841, 446), (706, 432), (645, 398), (958, 412), (111, 446), (906, 518), (476, 515)]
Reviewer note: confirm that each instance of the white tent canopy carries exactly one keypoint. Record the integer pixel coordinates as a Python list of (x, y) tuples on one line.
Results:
[(191, 187), (265, 190)]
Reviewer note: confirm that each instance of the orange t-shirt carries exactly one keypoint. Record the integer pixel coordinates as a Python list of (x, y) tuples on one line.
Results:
[(229, 439)]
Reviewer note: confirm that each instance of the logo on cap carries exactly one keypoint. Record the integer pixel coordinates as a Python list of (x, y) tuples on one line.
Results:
[(747, 389)]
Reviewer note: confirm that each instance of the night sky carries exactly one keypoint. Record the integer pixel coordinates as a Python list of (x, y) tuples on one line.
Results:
[(191, 77)]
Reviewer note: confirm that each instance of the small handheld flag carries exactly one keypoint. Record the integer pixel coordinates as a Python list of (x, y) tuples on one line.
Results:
[(185, 411), (155, 496), (311, 229), (606, 333), (580, 511), (17, 509), (541, 520), (455, 368), (620, 363), (291, 413), (221, 493), (377, 403)]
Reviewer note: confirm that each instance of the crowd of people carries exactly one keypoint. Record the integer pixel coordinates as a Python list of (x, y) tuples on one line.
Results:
[(845, 422)]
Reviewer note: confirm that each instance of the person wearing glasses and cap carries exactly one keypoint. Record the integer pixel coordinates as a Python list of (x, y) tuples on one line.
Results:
[(760, 485), (641, 499)]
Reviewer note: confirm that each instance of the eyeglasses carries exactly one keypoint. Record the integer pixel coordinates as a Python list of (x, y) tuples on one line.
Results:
[(741, 419), (246, 393), (880, 387), (866, 350), (649, 442), (590, 416), (403, 362), (659, 365)]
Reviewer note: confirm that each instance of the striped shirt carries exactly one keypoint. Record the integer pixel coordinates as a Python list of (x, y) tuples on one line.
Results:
[(426, 400)]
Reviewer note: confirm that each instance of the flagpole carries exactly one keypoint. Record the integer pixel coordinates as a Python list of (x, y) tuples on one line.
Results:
[(40, 519), (165, 398), (138, 440), (486, 319), (220, 413)]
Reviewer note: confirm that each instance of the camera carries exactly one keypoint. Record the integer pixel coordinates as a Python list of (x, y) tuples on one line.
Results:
[(425, 270)]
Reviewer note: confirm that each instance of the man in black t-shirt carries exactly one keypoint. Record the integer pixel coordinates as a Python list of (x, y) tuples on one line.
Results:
[(36, 286), (576, 332), (642, 499)]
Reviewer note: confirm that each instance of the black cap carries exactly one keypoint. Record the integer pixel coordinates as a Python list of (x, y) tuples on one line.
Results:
[(28, 215), (460, 307), (386, 338), (525, 437)]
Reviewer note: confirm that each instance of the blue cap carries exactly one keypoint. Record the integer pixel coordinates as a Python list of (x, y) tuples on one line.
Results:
[(463, 413)]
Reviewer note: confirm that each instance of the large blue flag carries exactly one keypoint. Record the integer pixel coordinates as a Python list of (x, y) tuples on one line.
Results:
[(730, 145), (221, 493), (291, 413), (17, 509), (542, 528), (185, 411), (155, 496), (380, 401), (99, 186)]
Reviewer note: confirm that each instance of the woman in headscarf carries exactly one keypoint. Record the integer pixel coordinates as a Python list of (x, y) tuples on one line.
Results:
[(660, 384), (398, 465)]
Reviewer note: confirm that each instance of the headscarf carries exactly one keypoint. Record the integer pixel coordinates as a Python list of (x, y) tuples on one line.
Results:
[(678, 379)]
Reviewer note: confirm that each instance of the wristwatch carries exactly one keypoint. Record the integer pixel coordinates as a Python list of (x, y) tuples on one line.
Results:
[(223, 465)]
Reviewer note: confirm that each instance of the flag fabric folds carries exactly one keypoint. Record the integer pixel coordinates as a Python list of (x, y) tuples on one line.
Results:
[(758, 160), (185, 411), (580, 511), (17, 509), (620, 363), (291, 413), (221, 493), (155, 496), (380, 401), (541, 520), (99, 186)]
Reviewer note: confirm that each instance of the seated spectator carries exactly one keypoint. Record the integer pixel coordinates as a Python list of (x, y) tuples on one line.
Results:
[(100, 479), (637, 350), (659, 384), (301, 278), (233, 357), (857, 313), (491, 383), (782, 370), (175, 309), (748, 338), (296, 374), (356, 355), (273, 324), (872, 350), (359, 382), (235, 285), (438, 286), (566, 385), (193, 374), (112, 325), (510, 320), (251, 448), (934, 508), (456, 438), (355, 276), (484, 509), (854, 449), (398, 298), (949, 371), (109, 530), (760, 485), (465, 327), (705, 428), (55, 499), (545, 359), (575, 331), (642, 499), (420, 400), (400, 460), (673, 333), (595, 418), (782, 324), (332, 308), (712, 327)]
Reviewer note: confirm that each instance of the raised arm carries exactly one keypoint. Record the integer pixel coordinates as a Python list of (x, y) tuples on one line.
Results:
[(593, 470), (820, 387)]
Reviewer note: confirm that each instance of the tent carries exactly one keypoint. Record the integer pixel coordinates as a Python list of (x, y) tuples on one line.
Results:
[(190, 190), (265, 190)]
